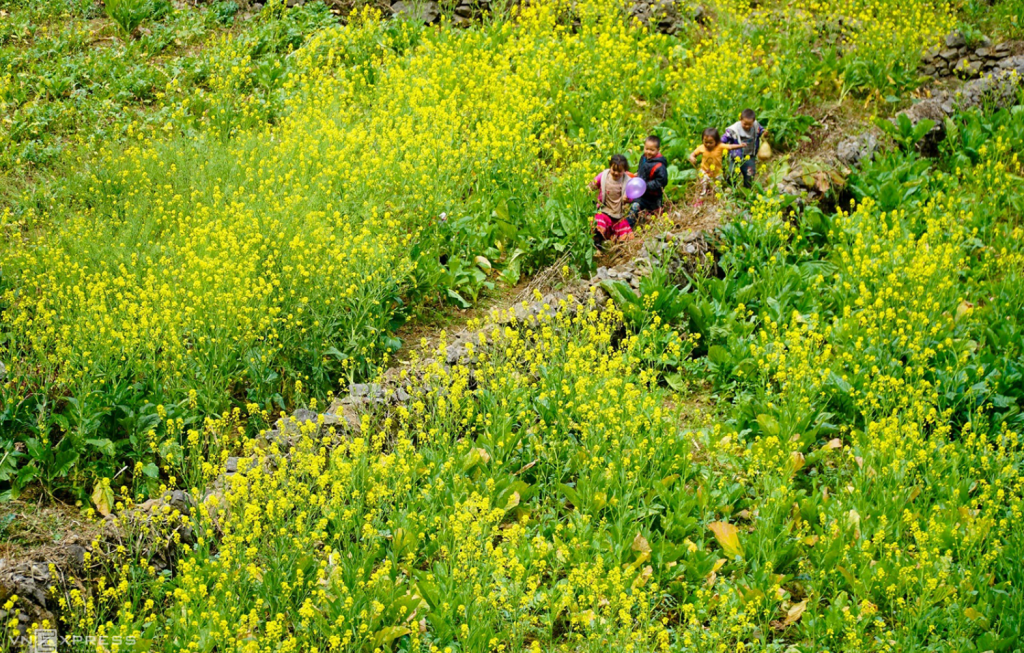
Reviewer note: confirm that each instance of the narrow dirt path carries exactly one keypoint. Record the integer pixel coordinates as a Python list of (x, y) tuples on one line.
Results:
[(681, 220)]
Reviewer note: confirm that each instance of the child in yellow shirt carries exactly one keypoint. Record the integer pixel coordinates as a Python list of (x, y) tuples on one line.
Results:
[(712, 150)]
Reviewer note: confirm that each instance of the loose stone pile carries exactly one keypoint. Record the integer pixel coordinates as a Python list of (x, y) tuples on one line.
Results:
[(997, 89), (957, 57), (811, 180)]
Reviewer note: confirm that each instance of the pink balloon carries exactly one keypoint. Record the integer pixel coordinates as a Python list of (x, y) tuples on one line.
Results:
[(635, 187)]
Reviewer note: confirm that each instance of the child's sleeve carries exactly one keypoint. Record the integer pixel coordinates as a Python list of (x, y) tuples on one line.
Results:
[(729, 137)]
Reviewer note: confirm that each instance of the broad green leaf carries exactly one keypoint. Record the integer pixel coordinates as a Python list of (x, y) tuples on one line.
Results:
[(768, 424), (719, 355)]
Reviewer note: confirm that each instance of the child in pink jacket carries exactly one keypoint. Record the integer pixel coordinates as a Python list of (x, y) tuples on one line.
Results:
[(610, 184)]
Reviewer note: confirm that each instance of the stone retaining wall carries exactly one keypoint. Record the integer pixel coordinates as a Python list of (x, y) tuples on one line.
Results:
[(955, 57)]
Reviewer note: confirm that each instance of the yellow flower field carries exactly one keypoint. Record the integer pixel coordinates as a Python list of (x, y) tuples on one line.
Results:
[(809, 441)]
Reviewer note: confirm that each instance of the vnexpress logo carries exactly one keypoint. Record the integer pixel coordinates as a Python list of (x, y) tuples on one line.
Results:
[(46, 640)]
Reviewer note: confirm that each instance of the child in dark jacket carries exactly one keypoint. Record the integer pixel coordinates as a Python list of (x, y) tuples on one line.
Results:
[(653, 169)]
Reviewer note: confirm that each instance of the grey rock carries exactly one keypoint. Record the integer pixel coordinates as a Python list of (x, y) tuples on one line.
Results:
[(950, 54), (305, 415), (424, 12), (464, 10), (284, 441), (857, 149), (454, 354), (364, 393), (955, 40), (522, 312), (930, 109), (623, 270), (602, 273), (178, 500), (29, 580), (292, 425), (359, 389), (1013, 63), (231, 465), (969, 68), (344, 413), (983, 52), (76, 554), (552, 299)]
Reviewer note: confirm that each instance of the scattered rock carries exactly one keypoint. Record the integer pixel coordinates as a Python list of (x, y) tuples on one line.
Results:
[(364, 390), (30, 582), (857, 149), (454, 354), (955, 40), (810, 181), (171, 500), (425, 12), (667, 16), (347, 414), (75, 555)]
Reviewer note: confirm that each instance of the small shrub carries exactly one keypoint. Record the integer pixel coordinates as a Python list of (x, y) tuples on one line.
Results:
[(130, 14)]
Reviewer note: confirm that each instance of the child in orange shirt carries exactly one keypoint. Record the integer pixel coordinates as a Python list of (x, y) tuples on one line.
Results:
[(712, 150)]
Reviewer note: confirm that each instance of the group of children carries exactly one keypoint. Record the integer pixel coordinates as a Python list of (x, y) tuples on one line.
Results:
[(617, 215)]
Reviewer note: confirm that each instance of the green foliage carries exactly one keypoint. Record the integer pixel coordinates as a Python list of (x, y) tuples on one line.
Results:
[(129, 15), (70, 92), (893, 180), (998, 19), (279, 215), (906, 133)]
